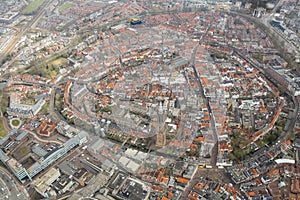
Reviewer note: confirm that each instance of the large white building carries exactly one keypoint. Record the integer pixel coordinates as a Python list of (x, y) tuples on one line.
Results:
[(42, 184), (23, 110)]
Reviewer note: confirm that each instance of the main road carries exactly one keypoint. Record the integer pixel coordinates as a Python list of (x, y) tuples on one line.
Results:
[(12, 43), (10, 188), (195, 179), (206, 101)]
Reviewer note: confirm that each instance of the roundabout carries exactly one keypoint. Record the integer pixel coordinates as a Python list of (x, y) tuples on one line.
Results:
[(15, 123)]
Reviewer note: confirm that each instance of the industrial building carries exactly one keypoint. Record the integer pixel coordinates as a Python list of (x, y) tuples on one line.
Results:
[(23, 174)]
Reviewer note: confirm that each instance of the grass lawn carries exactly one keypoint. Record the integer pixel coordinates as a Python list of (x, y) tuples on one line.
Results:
[(32, 7), (3, 132), (49, 69), (3, 100), (66, 6), (53, 66), (3, 165), (45, 109), (24, 151), (260, 143), (15, 122), (52, 74), (59, 62)]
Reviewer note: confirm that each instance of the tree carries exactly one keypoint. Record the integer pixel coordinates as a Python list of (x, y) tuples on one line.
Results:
[(291, 136)]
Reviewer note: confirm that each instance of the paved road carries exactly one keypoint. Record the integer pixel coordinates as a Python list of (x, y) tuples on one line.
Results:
[(5, 123), (293, 118), (11, 46), (10, 188), (280, 2), (206, 101), (42, 140), (196, 177)]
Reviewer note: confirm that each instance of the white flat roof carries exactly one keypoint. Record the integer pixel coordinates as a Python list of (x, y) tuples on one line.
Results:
[(123, 160), (133, 166), (288, 161), (131, 152)]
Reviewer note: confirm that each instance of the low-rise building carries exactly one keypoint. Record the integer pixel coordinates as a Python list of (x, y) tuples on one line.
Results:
[(43, 184)]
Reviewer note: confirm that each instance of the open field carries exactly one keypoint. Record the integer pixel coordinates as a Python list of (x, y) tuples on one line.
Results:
[(32, 7), (3, 132), (65, 6), (59, 62), (49, 69)]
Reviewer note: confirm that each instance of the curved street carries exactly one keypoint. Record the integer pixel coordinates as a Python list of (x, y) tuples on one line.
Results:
[(42, 140)]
